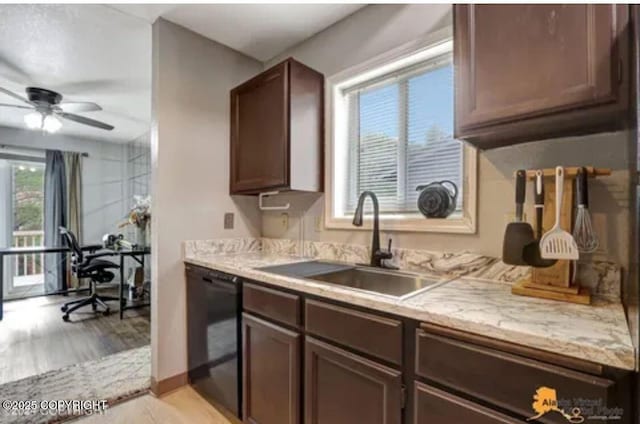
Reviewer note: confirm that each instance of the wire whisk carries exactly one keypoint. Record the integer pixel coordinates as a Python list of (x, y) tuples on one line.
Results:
[(583, 232)]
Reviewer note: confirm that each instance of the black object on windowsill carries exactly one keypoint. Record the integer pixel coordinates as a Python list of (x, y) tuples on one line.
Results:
[(436, 200)]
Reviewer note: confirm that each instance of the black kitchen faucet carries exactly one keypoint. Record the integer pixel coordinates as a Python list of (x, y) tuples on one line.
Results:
[(377, 255)]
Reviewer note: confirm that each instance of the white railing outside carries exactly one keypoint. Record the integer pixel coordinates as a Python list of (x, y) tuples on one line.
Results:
[(31, 263)]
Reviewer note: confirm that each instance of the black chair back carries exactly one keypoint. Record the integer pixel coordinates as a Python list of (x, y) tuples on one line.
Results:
[(72, 243)]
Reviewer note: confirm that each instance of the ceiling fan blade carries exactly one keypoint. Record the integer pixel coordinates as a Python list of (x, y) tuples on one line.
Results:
[(16, 106), (85, 121), (14, 95), (79, 107), (86, 86), (13, 71)]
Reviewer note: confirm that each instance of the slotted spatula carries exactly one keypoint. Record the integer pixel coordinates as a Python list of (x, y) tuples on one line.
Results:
[(558, 243)]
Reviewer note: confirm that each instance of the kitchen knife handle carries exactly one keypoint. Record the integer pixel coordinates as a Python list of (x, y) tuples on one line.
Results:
[(520, 192), (539, 188), (539, 201)]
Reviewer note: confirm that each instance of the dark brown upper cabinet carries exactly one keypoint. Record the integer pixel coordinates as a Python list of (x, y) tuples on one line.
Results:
[(277, 129), (530, 72)]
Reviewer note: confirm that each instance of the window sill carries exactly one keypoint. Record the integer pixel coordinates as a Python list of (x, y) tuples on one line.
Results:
[(458, 225)]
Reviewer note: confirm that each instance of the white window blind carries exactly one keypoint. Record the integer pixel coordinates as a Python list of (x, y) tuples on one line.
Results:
[(400, 135)]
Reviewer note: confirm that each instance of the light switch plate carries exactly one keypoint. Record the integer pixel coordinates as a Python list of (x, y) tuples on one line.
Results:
[(228, 221)]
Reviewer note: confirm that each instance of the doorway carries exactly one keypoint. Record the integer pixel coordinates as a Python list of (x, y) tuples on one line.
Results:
[(22, 184)]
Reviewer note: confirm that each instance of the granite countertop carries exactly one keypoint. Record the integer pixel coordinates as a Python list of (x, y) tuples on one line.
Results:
[(597, 333)]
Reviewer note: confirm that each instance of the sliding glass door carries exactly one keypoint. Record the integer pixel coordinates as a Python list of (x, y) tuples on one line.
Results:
[(23, 187)]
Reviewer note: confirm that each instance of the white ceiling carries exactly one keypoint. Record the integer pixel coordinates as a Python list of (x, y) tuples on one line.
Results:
[(85, 52), (98, 53), (261, 31)]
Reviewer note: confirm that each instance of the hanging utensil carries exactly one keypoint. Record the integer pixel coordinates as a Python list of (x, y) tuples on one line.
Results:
[(558, 243), (586, 238), (532, 250), (519, 233)]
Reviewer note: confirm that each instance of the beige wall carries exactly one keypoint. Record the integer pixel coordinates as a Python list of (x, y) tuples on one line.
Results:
[(192, 77), (379, 28)]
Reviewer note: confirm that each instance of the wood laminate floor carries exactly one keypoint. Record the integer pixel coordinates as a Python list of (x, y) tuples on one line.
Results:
[(182, 406), (34, 339)]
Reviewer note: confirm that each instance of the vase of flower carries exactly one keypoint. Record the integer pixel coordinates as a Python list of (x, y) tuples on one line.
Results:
[(140, 217), (141, 235)]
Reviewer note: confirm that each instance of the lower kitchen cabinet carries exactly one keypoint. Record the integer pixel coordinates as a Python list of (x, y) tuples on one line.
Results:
[(434, 406), (315, 362), (344, 388), (271, 372)]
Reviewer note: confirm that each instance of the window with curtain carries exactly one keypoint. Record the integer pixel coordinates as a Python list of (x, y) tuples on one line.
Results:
[(393, 132)]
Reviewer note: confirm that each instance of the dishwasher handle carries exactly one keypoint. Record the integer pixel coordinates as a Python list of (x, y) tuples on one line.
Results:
[(225, 284)]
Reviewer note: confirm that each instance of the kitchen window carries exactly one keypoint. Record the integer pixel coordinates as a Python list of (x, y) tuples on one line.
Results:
[(392, 131)]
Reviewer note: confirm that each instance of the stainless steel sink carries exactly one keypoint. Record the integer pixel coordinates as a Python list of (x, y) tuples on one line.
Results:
[(397, 284), (390, 283)]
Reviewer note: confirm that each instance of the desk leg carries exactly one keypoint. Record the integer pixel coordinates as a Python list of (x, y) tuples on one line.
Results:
[(122, 301)]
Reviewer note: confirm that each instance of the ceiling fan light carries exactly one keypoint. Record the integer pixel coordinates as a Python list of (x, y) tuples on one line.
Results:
[(33, 120), (51, 124)]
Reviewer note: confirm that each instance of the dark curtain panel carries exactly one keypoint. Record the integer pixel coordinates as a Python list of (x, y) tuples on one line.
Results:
[(73, 168), (55, 216)]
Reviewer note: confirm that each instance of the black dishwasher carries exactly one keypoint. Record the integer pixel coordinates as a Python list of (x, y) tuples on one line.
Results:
[(213, 336)]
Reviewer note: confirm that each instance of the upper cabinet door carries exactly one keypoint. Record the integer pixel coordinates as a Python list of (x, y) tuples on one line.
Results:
[(526, 72), (260, 132)]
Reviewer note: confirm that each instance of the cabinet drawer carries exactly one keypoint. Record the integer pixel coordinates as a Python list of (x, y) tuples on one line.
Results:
[(274, 304), (503, 379), (433, 406), (371, 334)]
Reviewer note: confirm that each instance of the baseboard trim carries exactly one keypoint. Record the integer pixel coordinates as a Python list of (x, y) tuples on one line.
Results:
[(159, 388)]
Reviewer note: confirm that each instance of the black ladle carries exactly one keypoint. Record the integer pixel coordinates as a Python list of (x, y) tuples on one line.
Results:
[(531, 252)]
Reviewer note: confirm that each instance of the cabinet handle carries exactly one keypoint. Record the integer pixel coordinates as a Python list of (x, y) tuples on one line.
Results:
[(620, 70)]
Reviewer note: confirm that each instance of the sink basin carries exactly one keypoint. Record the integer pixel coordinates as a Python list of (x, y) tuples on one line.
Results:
[(390, 283), (386, 282)]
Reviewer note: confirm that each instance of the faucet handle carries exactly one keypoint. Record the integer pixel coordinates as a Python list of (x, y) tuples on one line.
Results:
[(386, 256)]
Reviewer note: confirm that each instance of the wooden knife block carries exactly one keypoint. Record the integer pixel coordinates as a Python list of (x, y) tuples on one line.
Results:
[(556, 282)]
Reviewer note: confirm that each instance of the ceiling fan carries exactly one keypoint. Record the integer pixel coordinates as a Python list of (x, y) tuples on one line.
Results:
[(48, 106)]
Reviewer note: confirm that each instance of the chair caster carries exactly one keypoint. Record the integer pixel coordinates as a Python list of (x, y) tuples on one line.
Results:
[(64, 308), (106, 312), (94, 307), (65, 318)]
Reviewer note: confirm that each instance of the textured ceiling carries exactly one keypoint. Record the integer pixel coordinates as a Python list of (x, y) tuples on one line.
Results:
[(261, 31), (98, 53), (85, 52)]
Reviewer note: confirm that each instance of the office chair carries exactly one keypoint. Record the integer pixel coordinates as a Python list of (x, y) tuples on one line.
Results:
[(88, 266)]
